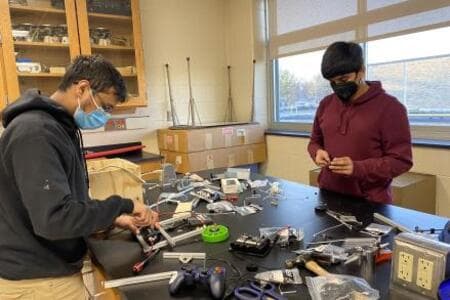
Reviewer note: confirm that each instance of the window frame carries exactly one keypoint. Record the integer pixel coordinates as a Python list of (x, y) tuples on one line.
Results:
[(432, 132)]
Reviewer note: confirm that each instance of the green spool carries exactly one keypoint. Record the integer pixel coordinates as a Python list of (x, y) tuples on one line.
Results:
[(215, 233)]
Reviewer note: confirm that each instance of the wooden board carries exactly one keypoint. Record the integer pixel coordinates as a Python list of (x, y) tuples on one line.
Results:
[(115, 176), (3, 92)]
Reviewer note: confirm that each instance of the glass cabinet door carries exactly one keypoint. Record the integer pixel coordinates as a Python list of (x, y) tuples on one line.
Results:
[(40, 40), (112, 28)]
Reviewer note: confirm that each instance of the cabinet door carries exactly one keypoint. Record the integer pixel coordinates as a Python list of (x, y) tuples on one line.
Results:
[(40, 38), (112, 28), (3, 93)]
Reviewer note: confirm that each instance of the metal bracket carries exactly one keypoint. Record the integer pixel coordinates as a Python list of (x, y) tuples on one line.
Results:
[(178, 238), (184, 257)]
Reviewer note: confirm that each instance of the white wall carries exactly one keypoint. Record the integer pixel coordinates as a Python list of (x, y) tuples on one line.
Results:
[(288, 158), (171, 31)]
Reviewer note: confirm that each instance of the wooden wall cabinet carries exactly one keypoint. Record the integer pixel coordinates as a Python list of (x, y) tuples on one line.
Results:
[(58, 31), (3, 92)]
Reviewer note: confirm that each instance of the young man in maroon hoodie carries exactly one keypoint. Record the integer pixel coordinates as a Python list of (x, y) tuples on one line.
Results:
[(361, 137)]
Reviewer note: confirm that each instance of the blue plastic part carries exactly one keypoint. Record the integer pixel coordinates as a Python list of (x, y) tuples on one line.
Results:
[(444, 290)]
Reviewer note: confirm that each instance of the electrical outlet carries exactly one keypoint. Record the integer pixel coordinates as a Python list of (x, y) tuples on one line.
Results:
[(405, 266), (424, 273)]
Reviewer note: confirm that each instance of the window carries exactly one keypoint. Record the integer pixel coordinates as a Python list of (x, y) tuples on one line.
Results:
[(406, 47), (415, 68), (300, 87)]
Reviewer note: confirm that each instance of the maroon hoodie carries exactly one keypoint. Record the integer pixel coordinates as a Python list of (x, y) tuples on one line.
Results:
[(374, 132)]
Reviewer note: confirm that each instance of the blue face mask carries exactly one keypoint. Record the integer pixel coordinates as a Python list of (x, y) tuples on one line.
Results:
[(92, 120)]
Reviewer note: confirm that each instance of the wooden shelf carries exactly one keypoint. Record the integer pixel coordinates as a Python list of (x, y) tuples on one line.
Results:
[(109, 16), (25, 74), (41, 44), (112, 48), (128, 75), (34, 9), (132, 103)]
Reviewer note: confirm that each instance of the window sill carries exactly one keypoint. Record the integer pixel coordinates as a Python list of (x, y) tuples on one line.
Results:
[(416, 142)]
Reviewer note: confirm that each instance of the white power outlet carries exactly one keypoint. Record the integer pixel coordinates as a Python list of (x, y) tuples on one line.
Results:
[(424, 273), (405, 266)]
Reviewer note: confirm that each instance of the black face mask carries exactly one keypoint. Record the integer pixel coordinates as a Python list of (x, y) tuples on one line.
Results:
[(345, 90)]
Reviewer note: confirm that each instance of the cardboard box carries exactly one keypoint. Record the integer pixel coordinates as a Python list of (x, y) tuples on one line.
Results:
[(216, 158), (410, 190), (114, 177), (201, 139)]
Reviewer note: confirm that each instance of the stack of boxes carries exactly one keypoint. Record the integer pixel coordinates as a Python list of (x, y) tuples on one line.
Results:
[(196, 149)]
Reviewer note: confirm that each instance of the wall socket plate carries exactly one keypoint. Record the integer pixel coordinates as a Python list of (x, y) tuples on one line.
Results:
[(419, 264), (405, 266)]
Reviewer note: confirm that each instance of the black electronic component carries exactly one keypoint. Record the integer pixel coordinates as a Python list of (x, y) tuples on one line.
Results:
[(251, 245)]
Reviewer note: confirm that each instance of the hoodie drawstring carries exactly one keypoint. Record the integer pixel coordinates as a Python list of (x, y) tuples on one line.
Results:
[(79, 136)]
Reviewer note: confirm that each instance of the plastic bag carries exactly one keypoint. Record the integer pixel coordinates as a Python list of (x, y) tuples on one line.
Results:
[(340, 287), (220, 207), (285, 234)]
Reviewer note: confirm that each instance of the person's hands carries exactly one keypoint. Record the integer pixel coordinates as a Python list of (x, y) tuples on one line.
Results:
[(126, 222), (322, 158), (342, 165), (144, 216)]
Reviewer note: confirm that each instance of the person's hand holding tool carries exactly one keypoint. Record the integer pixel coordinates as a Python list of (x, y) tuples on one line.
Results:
[(144, 216), (342, 165), (322, 158), (126, 222)]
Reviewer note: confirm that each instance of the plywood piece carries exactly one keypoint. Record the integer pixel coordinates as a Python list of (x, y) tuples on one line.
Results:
[(115, 176)]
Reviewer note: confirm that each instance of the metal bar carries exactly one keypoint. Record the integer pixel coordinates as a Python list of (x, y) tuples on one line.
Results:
[(191, 98), (179, 238), (175, 120), (177, 255), (145, 247), (170, 221), (390, 222), (167, 237), (139, 279), (252, 113)]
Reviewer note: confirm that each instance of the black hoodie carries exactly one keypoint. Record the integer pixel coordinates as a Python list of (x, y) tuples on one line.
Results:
[(45, 210)]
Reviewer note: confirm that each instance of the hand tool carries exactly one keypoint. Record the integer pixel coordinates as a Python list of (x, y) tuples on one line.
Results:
[(139, 266)]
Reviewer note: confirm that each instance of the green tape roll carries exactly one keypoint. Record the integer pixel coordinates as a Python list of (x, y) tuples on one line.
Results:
[(215, 233)]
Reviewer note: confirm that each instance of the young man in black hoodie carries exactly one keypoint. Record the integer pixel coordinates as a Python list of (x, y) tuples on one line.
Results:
[(45, 210)]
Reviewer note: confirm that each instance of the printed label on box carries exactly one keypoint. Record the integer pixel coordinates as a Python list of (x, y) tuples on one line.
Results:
[(208, 140), (231, 160), (227, 131), (210, 161), (241, 134), (178, 160), (176, 142), (249, 156)]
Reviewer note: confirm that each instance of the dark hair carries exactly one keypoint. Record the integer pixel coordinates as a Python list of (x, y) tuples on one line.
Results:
[(100, 73), (342, 58)]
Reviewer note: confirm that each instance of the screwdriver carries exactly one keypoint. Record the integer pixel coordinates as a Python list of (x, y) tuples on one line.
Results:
[(139, 266)]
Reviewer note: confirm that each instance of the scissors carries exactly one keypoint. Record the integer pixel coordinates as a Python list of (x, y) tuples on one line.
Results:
[(256, 291)]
